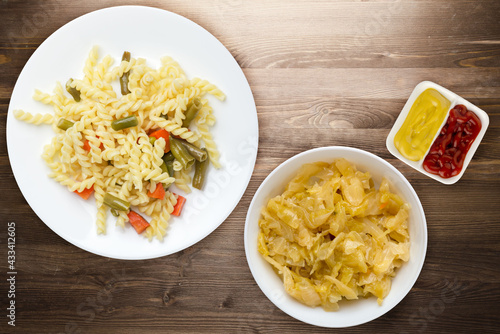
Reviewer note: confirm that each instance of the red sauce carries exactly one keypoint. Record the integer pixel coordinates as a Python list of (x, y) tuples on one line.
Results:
[(447, 154)]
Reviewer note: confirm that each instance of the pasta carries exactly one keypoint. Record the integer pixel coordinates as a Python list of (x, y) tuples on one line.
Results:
[(34, 119), (331, 235), (95, 149)]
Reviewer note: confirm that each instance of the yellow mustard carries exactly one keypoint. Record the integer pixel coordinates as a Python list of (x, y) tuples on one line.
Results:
[(421, 124)]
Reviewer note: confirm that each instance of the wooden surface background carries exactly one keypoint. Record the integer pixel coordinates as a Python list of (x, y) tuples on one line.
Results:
[(322, 73)]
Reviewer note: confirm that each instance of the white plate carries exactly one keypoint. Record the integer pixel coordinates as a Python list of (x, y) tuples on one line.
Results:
[(148, 33), (454, 100), (354, 312)]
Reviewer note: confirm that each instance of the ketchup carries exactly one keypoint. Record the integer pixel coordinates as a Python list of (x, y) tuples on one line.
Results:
[(447, 154)]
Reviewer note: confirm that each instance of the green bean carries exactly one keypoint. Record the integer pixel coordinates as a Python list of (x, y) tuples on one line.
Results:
[(200, 170), (198, 153), (114, 212), (168, 163), (116, 203), (72, 90), (152, 140), (126, 56), (123, 123), (168, 157), (64, 124), (124, 77), (191, 112), (164, 168), (180, 153), (167, 167), (170, 167)]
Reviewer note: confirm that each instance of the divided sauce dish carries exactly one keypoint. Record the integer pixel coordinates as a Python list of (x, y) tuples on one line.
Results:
[(454, 101)]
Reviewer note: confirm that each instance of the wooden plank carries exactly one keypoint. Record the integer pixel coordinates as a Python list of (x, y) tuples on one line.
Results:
[(322, 73)]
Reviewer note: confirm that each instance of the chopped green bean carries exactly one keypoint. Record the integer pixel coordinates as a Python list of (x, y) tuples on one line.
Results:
[(198, 153), (114, 212), (168, 157), (64, 124), (126, 56), (124, 77), (164, 168), (180, 153), (200, 170), (191, 112), (167, 167), (123, 123), (170, 167), (72, 90), (116, 203)]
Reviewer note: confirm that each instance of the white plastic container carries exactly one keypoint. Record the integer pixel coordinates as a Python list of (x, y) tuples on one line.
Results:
[(454, 100)]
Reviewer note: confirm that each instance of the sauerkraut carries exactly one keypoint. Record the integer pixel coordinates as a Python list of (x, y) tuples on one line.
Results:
[(332, 235)]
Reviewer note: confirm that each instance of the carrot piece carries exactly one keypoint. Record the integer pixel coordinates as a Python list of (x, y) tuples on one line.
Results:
[(178, 207), (383, 205), (86, 145), (85, 193), (159, 192), (162, 133), (137, 222)]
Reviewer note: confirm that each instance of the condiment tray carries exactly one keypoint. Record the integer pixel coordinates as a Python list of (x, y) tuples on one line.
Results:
[(454, 100)]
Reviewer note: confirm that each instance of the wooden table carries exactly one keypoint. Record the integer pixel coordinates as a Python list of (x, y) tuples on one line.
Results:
[(322, 73)]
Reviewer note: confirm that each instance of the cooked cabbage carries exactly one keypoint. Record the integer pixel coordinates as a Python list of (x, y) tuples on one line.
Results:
[(332, 235)]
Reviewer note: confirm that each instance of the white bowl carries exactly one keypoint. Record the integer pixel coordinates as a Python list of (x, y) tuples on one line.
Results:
[(354, 312), (454, 100)]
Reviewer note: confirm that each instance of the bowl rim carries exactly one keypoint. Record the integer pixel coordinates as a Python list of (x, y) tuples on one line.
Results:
[(251, 208)]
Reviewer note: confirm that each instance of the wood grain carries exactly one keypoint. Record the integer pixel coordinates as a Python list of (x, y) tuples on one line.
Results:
[(322, 73)]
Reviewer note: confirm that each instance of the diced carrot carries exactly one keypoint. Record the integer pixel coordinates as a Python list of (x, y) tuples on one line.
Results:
[(162, 133), (86, 145), (85, 193), (137, 222), (178, 207), (159, 192)]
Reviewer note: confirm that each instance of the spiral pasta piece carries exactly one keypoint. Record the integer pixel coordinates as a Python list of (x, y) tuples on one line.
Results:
[(101, 219), (210, 146), (91, 62), (176, 129), (33, 118), (182, 180), (102, 68), (159, 221), (45, 98), (206, 86)]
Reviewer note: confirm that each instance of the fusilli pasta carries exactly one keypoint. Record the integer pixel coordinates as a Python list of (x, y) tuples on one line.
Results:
[(125, 163)]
